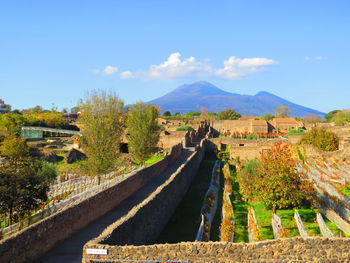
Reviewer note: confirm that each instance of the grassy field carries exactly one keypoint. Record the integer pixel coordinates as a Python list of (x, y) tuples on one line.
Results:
[(240, 210), (288, 222), (184, 223), (308, 216), (154, 158), (263, 217)]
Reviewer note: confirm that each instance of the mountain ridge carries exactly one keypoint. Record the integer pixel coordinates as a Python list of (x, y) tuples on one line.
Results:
[(190, 97)]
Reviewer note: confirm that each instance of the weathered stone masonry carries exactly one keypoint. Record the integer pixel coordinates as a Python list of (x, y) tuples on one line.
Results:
[(33, 242), (297, 249)]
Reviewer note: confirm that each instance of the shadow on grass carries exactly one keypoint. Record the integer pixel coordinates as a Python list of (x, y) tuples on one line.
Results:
[(184, 223)]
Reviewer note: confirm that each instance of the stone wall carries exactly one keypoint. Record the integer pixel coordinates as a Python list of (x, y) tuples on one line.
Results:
[(144, 222), (297, 249), (32, 242)]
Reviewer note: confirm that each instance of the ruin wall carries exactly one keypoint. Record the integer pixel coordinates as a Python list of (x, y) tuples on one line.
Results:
[(296, 249), (34, 241)]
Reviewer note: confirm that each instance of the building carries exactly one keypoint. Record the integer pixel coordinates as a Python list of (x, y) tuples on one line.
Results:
[(285, 124), (3, 107)]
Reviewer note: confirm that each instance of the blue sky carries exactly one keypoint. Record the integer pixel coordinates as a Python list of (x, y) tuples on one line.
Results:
[(53, 52)]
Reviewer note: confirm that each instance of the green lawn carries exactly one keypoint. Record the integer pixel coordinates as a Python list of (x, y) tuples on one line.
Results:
[(184, 223), (308, 216), (345, 190), (288, 222), (263, 217), (335, 230), (154, 158), (240, 210)]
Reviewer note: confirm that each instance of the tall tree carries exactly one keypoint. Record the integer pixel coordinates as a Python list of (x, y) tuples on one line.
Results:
[(143, 130), (229, 114), (282, 112), (103, 123)]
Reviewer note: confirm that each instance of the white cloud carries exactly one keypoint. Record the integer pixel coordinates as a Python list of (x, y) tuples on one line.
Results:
[(314, 58), (174, 67), (235, 68), (126, 75), (109, 70)]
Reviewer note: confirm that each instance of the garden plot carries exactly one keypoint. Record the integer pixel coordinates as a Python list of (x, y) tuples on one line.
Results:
[(209, 205), (329, 179)]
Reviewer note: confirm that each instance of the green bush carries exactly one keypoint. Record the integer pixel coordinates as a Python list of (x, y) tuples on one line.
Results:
[(252, 137), (299, 131), (184, 128), (321, 139)]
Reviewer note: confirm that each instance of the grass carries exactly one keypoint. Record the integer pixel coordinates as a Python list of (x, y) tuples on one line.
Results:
[(184, 223), (288, 222), (240, 210), (308, 216), (154, 158), (263, 217), (184, 128), (345, 190), (77, 167), (335, 230)]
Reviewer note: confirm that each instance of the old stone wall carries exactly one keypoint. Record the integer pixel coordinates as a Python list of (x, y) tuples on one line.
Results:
[(297, 249), (144, 222), (34, 241)]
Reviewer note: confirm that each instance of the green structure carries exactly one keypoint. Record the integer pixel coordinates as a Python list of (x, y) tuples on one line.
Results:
[(30, 132)]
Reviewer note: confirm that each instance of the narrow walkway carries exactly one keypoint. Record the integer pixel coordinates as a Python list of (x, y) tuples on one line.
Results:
[(70, 251)]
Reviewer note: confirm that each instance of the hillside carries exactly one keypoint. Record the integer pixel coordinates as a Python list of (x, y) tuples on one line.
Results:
[(190, 97)]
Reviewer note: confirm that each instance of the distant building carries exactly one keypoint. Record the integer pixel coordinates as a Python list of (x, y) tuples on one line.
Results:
[(286, 124), (3, 107)]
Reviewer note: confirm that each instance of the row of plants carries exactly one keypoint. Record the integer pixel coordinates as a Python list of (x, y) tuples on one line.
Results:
[(227, 223), (209, 205)]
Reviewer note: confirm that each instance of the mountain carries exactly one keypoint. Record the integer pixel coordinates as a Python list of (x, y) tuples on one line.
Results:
[(190, 97)]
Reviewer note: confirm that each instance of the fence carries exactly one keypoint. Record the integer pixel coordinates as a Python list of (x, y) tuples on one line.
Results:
[(79, 194)]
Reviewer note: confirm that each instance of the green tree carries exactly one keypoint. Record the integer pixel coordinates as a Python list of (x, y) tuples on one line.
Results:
[(282, 112), (21, 190), (273, 179), (248, 179), (228, 114), (267, 117), (341, 116), (331, 114), (103, 124), (321, 139), (11, 123), (47, 172), (167, 113), (143, 131), (14, 149), (192, 114)]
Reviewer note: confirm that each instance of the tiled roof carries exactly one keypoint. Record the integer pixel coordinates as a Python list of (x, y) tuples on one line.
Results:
[(286, 120), (246, 118)]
